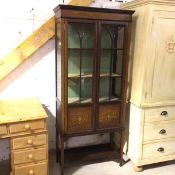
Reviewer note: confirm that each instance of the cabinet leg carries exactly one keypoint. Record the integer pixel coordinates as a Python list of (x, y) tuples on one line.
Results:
[(121, 162), (138, 168), (57, 146), (62, 156), (121, 149), (111, 136)]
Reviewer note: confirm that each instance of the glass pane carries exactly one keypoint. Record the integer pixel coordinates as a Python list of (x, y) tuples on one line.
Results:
[(120, 39), (105, 61), (104, 89), (105, 38), (73, 90), (86, 86), (87, 62), (111, 61), (80, 62), (80, 35), (73, 63), (117, 63), (112, 36), (107, 92), (116, 87)]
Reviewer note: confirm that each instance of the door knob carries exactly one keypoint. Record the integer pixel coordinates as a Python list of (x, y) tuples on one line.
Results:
[(31, 172), (160, 149), (162, 131), (164, 113), (30, 142)]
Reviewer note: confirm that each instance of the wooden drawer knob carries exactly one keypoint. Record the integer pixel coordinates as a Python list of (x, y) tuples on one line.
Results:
[(27, 126), (30, 142), (164, 113), (30, 156), (31, 172), (160, 149)]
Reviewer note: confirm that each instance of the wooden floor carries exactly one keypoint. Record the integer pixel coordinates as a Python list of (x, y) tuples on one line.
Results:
[(103, 168)]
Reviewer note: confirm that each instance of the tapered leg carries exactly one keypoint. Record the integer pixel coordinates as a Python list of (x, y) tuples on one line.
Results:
[(111, 138), (62, 156), (57, 146), (121, 149)]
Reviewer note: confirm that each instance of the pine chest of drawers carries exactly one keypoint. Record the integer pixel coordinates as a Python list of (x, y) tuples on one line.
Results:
[(151, 135), (24, 122)]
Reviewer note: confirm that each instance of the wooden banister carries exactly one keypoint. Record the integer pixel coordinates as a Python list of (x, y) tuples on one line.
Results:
[(27, 48), (32, 43)]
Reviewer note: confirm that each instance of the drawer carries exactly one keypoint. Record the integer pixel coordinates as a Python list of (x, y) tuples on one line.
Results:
[(29, 156), (160, 114), (159, 149), (79, 119), (109, 116), (35, 169), (27, 127), (161, 130), (3, 130), (29, 141)]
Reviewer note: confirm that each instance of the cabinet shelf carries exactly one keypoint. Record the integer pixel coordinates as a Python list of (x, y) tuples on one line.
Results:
[(106, 99), (78, 76), (108, 75), (78, 49), (109, 49), (75, 100)]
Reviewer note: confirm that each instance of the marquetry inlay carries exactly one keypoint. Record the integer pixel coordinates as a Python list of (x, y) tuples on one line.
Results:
[(79, 119), (108, 116)]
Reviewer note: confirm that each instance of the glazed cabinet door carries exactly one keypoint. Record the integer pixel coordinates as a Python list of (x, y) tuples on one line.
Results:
[(80, 58), (111, 73), (161, 69)]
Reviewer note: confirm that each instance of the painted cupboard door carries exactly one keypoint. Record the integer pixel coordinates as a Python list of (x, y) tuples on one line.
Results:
[(161, 71)]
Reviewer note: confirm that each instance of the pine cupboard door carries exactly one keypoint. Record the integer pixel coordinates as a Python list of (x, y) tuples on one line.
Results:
[(161, 67), (80, 60), (111, 73)]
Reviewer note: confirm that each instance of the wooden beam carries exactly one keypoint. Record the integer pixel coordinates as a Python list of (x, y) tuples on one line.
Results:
[(32, 43), (81, 2), (27, 48)]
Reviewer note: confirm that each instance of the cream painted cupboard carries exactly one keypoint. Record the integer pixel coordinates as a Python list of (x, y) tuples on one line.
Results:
[(152, 82)]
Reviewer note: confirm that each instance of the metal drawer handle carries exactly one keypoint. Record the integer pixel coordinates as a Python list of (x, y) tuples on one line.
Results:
[(164, 113), (31, 172), (27, 126), (160, 149), (162, 131), (30, 142), (30, 156)]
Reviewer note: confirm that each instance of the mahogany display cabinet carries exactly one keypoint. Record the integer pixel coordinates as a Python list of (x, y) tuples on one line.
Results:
[(92, 48)]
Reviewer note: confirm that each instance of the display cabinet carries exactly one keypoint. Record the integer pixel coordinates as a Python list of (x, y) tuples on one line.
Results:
[(92, 59)]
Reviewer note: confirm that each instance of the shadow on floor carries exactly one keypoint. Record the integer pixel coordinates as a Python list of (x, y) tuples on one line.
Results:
[(102, 168)]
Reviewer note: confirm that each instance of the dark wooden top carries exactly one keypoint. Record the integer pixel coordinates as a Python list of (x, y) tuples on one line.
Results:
[(92, 13), (92, 9)]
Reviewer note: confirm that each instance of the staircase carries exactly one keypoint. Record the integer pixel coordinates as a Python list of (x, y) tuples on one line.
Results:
[(32, 43)]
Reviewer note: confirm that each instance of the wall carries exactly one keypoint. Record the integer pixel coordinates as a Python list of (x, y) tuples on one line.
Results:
[(36, 76)]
